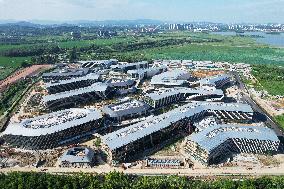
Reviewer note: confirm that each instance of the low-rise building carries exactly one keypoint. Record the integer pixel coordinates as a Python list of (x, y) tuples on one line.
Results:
[(98, 64), (145, 73), (126, 110), (72, 84), (166, 96), (218, 81), (81, 96), (64, 74), (171, 78), (206, 122), (124, 67), (122, 86), (164, 163), (77, 157)]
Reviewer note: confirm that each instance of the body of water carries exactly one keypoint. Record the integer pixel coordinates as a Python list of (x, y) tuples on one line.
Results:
[(276, 40)]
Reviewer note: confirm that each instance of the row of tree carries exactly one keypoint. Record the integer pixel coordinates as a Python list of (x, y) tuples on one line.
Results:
[(35, 50), (115, 180), (8, 97)]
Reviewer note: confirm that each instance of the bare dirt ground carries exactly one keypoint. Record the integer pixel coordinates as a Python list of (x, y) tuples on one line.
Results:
[(204, 73), (27, 159), (32, 105), (274, 107), (18, 75)]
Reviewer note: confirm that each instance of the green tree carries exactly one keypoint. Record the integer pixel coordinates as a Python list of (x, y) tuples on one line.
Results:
[(73, 57)]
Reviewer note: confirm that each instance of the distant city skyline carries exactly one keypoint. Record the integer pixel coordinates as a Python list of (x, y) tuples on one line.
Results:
[(225, 11)]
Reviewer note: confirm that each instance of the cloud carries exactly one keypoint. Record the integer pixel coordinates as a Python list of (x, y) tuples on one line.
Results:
[(97, 3), (182, 10)]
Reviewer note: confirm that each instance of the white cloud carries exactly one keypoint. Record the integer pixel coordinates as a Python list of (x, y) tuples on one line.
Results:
[(98, 3), (70, 9), (187, 10)]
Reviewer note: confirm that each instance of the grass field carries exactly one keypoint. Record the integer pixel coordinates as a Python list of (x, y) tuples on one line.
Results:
[(10, 64), (71, 43), (228, 48), (214, 52), (99, 42), (8, 47), (271, 78), (13, 62), (280, 121), (233, 54)]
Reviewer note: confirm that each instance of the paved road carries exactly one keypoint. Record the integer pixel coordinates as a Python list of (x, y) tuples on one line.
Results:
[(256, 107), (240, 84)]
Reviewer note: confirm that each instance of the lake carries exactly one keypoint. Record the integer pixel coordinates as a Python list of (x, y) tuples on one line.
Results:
[(270, 39)]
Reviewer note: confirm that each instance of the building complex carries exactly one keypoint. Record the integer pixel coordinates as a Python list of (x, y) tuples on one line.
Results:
[(165, 100)]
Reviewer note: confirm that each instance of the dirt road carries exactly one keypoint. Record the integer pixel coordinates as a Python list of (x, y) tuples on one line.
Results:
[(182, 172), (18, 75)]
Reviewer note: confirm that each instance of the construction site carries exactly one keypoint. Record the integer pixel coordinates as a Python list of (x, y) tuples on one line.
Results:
[(161, 115)]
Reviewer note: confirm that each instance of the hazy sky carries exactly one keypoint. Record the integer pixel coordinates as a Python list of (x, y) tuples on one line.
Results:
[(260, 11)]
